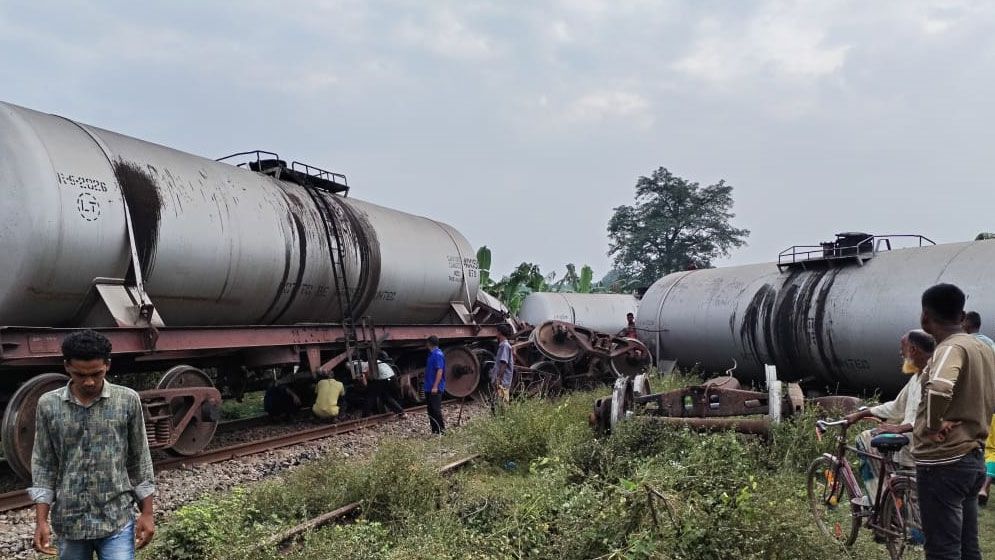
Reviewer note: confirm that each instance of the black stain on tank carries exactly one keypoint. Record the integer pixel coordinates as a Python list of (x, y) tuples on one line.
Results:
[(755, 316), (293, 204), (301, 266), (145, 206), (823, 332), (795, 331)]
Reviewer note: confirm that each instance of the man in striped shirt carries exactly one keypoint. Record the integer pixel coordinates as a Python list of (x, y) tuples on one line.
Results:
[(958, 396)]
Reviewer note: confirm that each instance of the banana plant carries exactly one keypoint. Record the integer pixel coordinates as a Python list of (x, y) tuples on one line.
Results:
[(484, 264)]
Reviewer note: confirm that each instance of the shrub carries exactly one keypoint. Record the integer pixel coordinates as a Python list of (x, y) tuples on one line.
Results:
[(204, 529), (398, 484)]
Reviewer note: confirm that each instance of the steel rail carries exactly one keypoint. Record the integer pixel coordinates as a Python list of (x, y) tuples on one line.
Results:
[(19, 499)]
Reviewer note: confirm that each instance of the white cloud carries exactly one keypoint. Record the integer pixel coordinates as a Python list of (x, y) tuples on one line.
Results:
[(609, 105), (932, 26), (448, 36), (559, 30), (787, 44)]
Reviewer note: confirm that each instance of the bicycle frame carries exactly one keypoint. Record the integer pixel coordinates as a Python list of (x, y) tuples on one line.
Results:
[(886, 475)]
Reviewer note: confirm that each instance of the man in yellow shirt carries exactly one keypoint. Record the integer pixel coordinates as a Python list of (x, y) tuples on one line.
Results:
[(329, 390)]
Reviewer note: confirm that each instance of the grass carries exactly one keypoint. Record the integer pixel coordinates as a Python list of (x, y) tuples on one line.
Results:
[(546, 487), (251, 405)]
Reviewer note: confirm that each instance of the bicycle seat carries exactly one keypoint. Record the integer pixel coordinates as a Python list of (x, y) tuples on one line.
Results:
[(888, 443)]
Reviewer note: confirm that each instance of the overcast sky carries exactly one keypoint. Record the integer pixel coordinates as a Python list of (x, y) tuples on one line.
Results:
[(523, 124)]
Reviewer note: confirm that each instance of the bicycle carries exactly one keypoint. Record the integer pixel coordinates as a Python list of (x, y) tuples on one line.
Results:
[(838, 502)]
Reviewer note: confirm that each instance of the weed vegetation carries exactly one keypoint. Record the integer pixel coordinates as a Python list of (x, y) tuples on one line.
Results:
[(545, 487)]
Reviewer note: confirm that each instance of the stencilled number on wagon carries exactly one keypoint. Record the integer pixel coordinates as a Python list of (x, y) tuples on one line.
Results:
[(88, 206), (386, 295), (305, 290), (856, 363), (85, 183)]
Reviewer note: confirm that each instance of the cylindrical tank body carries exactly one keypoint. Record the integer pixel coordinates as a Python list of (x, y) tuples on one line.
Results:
[(836, 327), (601, 312), (217, 244)]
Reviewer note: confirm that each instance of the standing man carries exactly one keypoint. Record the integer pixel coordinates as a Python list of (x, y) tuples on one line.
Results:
[(972, 325), (958, 396), (435, 384), (503, 373), (91, 461)]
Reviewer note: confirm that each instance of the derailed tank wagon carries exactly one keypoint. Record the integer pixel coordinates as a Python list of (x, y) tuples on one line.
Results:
[(600, 312), (828, 316), (189, 264)]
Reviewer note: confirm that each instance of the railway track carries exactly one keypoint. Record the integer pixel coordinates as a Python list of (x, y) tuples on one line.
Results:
[(19, 499)]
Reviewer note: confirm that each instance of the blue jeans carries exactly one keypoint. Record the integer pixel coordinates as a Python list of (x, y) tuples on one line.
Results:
[(948, 500), (119, 546)]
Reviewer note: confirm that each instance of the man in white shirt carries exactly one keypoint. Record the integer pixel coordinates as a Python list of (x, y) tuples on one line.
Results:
[(899, 415)]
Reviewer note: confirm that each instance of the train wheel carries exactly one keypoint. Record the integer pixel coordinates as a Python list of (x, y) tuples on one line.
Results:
[(485, 358), (555, 342), (637, 360), (621, 400), (200, 429), (462, 372), (18, 428), (598, 418), (641, 385), (547, 380), (410, 383)]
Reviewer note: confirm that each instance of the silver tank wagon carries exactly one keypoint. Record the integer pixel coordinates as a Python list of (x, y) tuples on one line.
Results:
[(828, 315), (600, 312), (216, 244)]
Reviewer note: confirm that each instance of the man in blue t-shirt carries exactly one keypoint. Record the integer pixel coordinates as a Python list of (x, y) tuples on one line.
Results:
[(435, 384)]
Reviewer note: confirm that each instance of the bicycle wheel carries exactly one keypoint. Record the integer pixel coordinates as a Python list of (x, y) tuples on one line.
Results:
[(899, 519), (829, 499)]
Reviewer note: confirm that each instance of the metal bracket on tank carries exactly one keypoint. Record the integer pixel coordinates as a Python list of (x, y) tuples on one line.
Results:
[(122, 306), (147, 315), (462, 312)]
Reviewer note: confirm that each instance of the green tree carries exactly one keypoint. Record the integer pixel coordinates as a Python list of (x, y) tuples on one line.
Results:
[(675, 224), (572, 281)]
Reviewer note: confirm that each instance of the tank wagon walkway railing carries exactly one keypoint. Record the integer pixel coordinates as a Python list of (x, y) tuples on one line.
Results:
[(847, 248)]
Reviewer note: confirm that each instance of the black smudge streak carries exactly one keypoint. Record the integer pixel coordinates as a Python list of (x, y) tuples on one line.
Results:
[(823, 332), (145, 205), (288, 254), (754, 318), (301, 266)]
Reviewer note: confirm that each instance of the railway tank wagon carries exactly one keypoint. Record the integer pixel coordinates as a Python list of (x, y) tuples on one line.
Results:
[(216, 244), (183, 261), (600, 312), (829, 316)]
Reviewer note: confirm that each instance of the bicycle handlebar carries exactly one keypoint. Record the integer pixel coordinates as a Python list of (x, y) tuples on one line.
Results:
[(824, 425)]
